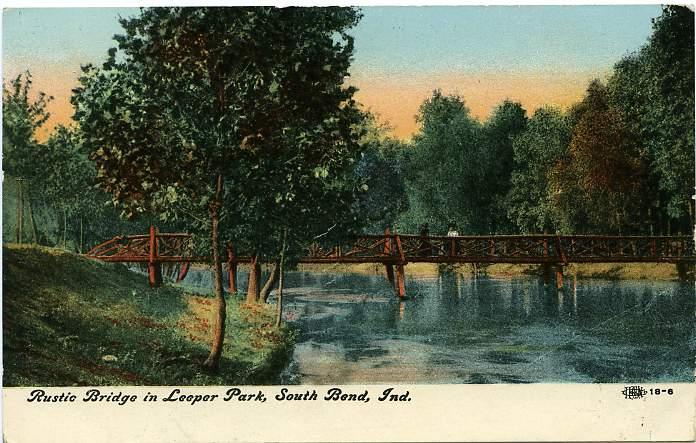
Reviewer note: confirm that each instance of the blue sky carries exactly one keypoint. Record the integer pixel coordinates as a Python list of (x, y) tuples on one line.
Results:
[(500, 37), (401, 53), (393, 38)]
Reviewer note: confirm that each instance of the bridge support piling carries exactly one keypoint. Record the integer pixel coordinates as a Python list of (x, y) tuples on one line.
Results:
[(400, 281), (154, 268), (547, 267), (154, 271), (390, 275), (183, 271), (559, 277), (387, 251), (547, 273)]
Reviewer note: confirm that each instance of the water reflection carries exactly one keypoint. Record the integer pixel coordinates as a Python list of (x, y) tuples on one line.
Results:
[(453, 329), (460, 330)]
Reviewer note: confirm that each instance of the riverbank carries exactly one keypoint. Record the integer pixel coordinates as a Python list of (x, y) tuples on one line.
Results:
[(611, 271), (68, 321)]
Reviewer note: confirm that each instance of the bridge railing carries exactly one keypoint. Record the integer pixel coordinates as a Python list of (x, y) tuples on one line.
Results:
[(143, 248), (549, 248), (397, 248), (516, 248), (589, 248), (509, 249)]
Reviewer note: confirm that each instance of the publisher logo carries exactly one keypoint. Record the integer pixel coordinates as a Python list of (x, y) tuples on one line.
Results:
[(633, 392)]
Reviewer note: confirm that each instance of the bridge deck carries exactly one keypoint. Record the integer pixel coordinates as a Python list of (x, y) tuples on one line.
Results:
[(401, 249)]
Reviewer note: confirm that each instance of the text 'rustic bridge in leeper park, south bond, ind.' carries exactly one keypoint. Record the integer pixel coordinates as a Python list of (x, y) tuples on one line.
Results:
[(397, 250)]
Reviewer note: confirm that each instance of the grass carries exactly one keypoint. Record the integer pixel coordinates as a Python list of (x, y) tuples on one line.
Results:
[(71, 321), (617, 271)]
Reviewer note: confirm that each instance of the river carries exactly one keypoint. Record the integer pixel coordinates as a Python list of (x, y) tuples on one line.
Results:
[(453, 329)]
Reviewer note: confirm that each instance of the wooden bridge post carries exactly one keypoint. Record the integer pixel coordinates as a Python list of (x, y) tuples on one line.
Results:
[(559, 276), (183, 271), (231, 268), (400, 274), (400, 281), (390, 275), (560, 255), (154, 268), (547, 267), (387, 251)]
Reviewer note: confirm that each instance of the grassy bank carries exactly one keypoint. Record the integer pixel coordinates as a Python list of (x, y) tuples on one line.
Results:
[(627, 271), (68, 321)]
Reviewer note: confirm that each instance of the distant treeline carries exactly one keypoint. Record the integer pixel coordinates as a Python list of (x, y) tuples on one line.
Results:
[(621, 161)]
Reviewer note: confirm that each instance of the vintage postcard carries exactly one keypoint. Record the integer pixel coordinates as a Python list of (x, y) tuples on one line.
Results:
[(348, 223)]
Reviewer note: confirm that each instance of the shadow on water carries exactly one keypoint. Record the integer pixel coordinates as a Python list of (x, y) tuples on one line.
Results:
[(453, 329)]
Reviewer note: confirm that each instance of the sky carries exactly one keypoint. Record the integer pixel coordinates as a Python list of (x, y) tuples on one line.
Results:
[(533, 54)]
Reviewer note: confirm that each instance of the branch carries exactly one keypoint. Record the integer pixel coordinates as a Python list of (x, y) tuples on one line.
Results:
[(325, 233)]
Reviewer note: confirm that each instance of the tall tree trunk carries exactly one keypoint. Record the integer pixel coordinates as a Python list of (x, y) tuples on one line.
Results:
[(253, 284), (279, 307), (270, 283), (32, 222), (213, 360), (18, 215), (65, 227), (81, 236)]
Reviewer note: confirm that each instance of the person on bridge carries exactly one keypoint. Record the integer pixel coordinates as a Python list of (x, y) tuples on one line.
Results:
[(452, 230), (451, 246)]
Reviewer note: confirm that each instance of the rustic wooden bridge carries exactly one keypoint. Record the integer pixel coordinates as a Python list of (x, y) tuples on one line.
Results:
[(397, 250)]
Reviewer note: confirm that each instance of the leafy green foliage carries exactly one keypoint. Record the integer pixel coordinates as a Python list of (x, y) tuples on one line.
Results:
[(598, 186), (381, 173), (22, 116), (255, 95), (69, 186), (544, 143), (620, 161), (508, 120), (447, 165), (57, 177), (381, 168), (654, 89)]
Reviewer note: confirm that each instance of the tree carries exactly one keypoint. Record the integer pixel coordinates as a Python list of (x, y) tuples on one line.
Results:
[(599, 185), (381, 170), (308, 192), (654, 89), (545, 143), (508, 120), (189, 118), (22, 117), (86, 214), (445, 178), (67, 185)]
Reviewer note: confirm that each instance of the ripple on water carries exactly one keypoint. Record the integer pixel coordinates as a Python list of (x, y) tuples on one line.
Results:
[(458, 330)]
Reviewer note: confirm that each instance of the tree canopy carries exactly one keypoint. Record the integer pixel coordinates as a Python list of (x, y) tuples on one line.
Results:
[(654, 89), (230, 119)]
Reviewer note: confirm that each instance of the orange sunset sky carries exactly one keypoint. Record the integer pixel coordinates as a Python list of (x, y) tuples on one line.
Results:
[(535, 55)]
